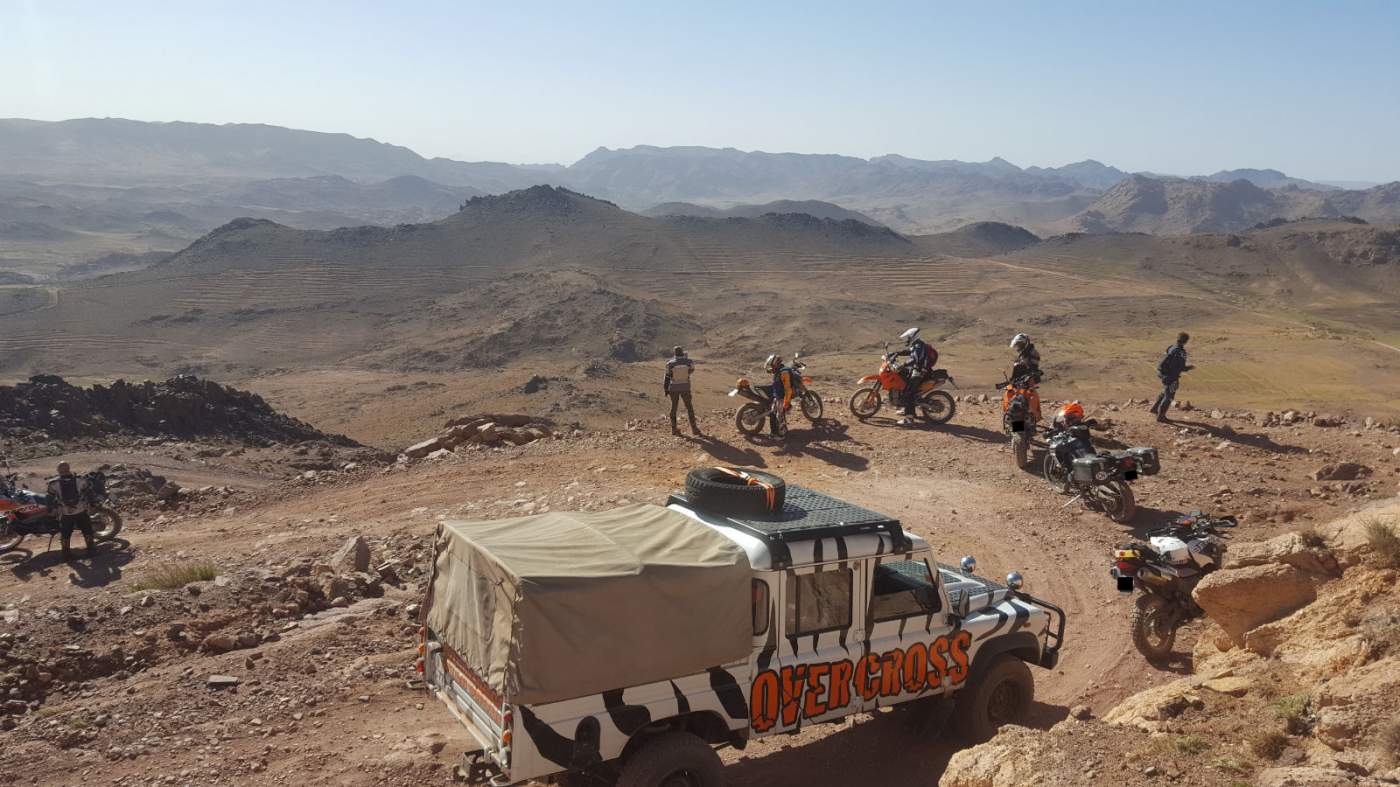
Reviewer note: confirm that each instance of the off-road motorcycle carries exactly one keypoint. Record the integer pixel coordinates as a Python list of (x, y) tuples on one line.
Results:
[(1099, 479), (27, 513), (1020, 413), (751, 415), (933, 405), (1166, 570)]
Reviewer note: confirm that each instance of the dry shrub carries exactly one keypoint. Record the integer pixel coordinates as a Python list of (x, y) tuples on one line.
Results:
[(1384, 541), (1295, 710), (1189, 744), (176, 575), (1268, 745), (1312, 537), (1229, 765)]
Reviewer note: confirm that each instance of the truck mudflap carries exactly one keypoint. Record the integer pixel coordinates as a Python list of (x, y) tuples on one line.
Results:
[(1054, 631)]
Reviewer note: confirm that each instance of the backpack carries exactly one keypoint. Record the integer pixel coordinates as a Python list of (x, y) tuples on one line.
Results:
[(68, 492), (1172, 363)]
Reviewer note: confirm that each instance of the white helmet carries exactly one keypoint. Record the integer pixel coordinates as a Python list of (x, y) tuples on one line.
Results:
[(1019, 341), (772, 363), (910, 335)]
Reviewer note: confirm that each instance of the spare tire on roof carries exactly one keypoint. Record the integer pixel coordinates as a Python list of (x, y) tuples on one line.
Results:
[(735, 491)]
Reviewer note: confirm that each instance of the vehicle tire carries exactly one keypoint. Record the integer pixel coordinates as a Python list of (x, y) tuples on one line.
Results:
[(866, 402), (732, 490), (749, 420), (106, 523), (1021, 448), (938, 407), (812, 406), (1154, 631), (673, 759), (9, 536), (1002, 695), (1118, 502), (1056, 474)]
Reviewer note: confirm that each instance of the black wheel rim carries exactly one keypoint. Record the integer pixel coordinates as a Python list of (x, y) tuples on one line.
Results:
[(751, 419), (1004, 705), (9, 537)]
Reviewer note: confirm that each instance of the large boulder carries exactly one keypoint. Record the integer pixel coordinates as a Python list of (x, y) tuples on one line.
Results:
[(1342, 471), (353, 556), (1289, 549), (1240, 599), (420, 450)]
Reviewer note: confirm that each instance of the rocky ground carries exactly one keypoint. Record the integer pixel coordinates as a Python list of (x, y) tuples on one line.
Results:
[(263, 635)]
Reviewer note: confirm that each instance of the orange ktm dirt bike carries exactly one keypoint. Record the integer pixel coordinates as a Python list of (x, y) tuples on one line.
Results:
[(933, 405), (1020, 413), (752, 414)]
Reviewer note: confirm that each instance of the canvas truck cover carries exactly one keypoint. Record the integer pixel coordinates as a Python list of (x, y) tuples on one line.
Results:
[(562, 605)]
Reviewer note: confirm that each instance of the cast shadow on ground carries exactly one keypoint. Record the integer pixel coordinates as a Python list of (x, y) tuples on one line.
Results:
[(893, 753), (727, 453), (816, 442), (962, 431), (102, 568), (1250, 439)]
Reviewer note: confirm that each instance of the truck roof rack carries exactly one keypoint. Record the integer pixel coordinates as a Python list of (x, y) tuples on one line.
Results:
[(807, 515)]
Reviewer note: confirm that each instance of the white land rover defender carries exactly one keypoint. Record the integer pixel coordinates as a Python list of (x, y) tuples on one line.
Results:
[(624, 646)]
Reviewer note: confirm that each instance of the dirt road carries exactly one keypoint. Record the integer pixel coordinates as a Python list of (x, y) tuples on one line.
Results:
[(326, 701)]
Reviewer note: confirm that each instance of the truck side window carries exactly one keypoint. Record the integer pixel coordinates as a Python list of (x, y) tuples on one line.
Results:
[(817, 602), (902, 588), (760, 607)]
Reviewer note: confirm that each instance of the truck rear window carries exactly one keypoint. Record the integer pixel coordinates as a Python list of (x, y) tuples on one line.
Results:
[(818, 602)]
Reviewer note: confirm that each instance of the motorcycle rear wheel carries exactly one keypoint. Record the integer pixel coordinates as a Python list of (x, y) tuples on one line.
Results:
[(1117, 500), (106, 523), (938, 407), (749, 419), (9, 536), (866, 402), (1153, 627), (812, 406), (1021, 448)]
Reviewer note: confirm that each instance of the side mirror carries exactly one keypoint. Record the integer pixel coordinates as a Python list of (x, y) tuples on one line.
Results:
[(1015, 581)]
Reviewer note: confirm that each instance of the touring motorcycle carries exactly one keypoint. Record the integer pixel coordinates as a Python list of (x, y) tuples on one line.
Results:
[(933, 405), (751, 415), (1020, 413), (1097, 478), (27, 513), (1166, 570)]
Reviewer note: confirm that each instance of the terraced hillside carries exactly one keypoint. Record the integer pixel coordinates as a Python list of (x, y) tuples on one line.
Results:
[(546, 282)]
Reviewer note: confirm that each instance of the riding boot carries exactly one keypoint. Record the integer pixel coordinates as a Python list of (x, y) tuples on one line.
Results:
[(67, 553)]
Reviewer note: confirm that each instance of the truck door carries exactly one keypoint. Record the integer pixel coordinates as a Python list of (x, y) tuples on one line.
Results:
[(910, 647), (818, 632)]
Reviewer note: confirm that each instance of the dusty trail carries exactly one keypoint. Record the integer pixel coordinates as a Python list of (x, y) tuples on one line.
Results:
[(955, 485)]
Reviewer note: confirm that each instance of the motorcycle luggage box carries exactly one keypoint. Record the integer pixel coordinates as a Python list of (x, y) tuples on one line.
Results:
[(1146, 459), (1087, 469)]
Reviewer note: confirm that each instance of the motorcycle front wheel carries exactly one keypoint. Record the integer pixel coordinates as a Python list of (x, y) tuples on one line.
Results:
[(1153, 627), (812, 406), (749, 419), (106, 523), (1056, 474), (938, 407), (9, 536), (865, 402), (1117, 500)]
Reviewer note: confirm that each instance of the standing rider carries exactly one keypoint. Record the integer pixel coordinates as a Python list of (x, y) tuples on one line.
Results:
[(784, 386), (676, 384), (922, 358), (1169, 371), (1027, 357), (71, 495)]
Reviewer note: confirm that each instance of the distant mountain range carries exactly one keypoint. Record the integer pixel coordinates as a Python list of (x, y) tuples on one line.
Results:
[(78, 189)]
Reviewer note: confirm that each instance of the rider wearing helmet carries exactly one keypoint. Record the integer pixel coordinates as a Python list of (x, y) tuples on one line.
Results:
[(922, 358), (1027, 357), (785, 385)]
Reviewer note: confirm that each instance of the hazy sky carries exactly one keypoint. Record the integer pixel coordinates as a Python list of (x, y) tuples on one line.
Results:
[(1186, 88)]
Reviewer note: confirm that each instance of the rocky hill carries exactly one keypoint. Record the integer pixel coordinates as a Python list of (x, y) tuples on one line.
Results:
[(1175, 206), (981, 239), (49, 408), (817, 208), (1296, 681)]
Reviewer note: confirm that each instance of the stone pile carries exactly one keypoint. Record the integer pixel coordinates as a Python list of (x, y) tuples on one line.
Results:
[(481, 430)]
